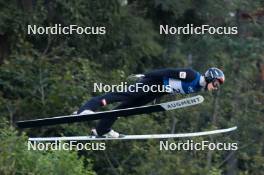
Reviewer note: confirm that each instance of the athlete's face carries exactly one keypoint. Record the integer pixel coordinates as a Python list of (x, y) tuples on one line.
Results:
[(213, 85)]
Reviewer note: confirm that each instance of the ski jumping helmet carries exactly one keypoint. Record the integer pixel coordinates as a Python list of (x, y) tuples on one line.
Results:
[(213, 74)]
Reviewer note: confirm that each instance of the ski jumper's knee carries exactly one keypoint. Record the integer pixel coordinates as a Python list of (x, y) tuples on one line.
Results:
[(93, 104)]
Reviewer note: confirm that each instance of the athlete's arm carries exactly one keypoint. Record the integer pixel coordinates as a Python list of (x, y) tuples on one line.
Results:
[(181, 74)]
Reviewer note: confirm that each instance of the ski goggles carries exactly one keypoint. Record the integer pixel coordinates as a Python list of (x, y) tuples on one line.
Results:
[(216, 83)]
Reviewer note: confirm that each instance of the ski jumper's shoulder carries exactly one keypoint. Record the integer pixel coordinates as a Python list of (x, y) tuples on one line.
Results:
[(183, 74)]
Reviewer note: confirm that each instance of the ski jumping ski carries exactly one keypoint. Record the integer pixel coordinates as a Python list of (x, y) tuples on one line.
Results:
[(119, 113), (133, 137)]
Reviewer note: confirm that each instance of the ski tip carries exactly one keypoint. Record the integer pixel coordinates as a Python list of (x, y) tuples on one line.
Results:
[(233, 128), (201, 98)]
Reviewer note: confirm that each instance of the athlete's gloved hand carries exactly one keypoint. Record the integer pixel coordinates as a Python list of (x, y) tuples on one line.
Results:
[(135, 77)]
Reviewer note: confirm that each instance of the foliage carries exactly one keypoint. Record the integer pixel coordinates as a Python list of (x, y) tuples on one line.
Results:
[(15, 158), (50, 75)]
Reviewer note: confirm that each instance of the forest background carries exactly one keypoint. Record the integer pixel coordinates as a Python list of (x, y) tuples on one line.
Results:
[(52, 75)]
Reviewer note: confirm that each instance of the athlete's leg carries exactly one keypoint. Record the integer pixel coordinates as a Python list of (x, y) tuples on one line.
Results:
[(103, 100), (108, 98), (128, 99), (105, 124)]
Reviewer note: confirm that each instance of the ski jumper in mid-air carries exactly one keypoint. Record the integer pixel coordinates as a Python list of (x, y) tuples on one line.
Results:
[(179, 81)]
